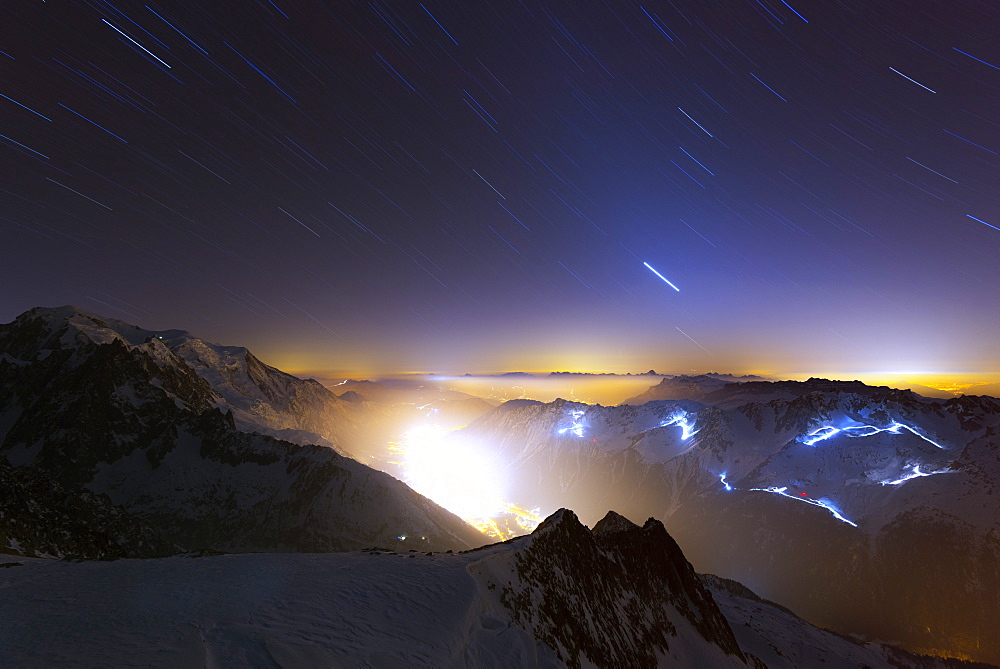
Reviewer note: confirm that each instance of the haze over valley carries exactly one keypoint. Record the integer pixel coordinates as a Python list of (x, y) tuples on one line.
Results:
[(810, 493), (499, 334)]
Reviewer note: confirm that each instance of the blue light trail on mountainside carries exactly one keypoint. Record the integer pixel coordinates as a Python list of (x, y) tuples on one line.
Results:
[(681, 420), (823, 502), (916, 473), (576, 429), (827, 431)]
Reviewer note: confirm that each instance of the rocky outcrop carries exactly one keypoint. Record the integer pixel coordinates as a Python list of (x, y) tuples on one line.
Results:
[(41, 518), (620, 596)]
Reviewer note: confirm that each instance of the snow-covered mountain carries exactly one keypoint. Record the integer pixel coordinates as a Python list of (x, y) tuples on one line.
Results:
[(685, 387), (262, 399), (866, 509), (565, 596), (152, 419)]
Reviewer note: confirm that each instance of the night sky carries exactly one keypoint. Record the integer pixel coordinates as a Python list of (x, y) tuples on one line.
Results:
[(457, 186)]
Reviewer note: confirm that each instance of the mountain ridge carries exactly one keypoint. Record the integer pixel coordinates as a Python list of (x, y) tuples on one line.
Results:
[(812, 493), (126, 416)]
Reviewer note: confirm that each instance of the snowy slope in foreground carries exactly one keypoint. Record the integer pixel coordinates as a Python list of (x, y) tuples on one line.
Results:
[(529, 602), (782, 640), (345, 609)]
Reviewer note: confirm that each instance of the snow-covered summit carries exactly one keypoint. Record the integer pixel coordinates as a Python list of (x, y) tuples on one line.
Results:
[(151, 419), (69, 326), (261, 398)]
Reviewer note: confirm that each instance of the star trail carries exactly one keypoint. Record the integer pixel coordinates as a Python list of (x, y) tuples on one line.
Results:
[(485, 186)]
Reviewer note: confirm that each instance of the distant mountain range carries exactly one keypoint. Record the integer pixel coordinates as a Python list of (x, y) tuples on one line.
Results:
[(866, 509), (726, 377)]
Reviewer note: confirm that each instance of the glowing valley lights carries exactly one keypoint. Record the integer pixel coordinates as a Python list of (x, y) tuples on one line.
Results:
[(915, 473), (827, 431), (452, 472), (823, 502), (499, 526), (463, 477)]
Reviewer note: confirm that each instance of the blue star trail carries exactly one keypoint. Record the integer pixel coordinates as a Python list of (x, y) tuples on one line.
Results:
[(665, 279)]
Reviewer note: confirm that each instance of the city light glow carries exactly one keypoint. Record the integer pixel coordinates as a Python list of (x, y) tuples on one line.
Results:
[(463, 476)]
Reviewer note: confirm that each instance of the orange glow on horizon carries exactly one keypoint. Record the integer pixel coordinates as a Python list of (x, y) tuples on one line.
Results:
[(602, 386)]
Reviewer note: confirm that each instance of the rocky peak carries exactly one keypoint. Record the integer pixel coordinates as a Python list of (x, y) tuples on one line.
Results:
[(622, 595), (613, 522)]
